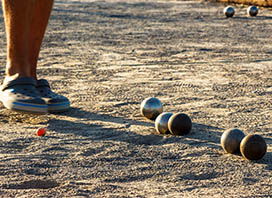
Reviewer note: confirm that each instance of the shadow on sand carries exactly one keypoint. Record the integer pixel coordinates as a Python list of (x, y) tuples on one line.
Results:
[(201, 135)]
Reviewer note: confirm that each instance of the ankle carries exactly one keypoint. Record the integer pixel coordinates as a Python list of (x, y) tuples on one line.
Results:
[(14, 70)]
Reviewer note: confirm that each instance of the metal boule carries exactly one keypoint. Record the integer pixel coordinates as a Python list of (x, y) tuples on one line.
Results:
[(180, 124), (231, 139), (252, 11), (151, 107), (253, 147), (229, 11), (161, 123)]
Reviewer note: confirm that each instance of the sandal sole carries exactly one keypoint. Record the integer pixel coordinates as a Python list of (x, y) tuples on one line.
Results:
[(60, 107), (26, 108)]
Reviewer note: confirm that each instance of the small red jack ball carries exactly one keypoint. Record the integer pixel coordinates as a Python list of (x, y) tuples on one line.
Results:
[(41, 132)]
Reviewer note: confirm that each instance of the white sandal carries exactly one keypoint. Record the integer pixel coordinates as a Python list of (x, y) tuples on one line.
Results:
[(21, 95)]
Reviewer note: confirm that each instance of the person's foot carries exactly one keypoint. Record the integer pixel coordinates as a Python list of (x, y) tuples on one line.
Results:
[(20, 94), (56, 103)]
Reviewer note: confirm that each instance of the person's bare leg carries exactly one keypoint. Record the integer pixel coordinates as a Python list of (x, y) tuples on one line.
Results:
[(41, 14), (26, 22), (18, 15), (18, 91)]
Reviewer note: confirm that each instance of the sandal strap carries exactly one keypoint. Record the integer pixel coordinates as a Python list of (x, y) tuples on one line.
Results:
[(43, 83), (18, 81)]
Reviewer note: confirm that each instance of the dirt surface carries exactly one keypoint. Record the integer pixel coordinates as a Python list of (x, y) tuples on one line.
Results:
[(262, 3), (107, 57)]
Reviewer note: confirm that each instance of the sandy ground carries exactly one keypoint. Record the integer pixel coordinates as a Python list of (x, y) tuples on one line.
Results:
[(262, 3), (107, 57)]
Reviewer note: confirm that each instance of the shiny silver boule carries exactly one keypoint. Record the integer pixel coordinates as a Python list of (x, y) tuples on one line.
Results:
[(231, 139), (252, 11), (151, 108), (229, 11), (161, 123)]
